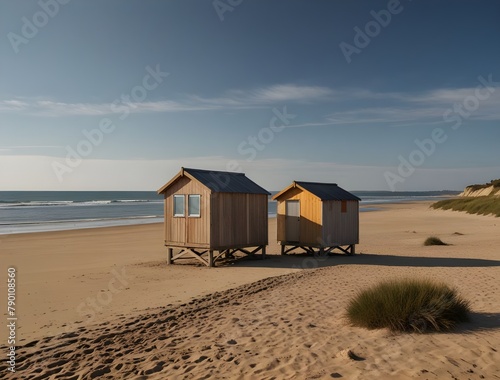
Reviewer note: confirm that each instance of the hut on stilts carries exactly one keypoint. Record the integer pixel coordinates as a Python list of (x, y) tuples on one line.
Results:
[(320, 216), (209, 214)]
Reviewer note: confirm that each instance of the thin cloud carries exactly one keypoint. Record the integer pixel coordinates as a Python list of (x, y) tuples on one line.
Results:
[(30, 146), (267, 96), (412, 109), (13, 105), (54, 109), (284, 93), (234, 99), (387, 107)]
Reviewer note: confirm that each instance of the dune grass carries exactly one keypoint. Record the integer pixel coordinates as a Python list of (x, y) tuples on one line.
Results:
[(408, 305), (433, 240), (489, 205), (494, 183)]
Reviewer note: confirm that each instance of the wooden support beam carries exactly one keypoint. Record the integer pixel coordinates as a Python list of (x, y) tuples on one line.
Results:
[(250, 253), (309, 250), (256, 250), (199, 253), (198, 257), (322, 251), (210, 258), (342, 249), (330, 249), (170, 252), (188, 251), (192, 253), (219, 255), (290, 249), (183, 252)]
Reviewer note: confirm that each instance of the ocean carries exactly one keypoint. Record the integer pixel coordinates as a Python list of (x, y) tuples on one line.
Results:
[(37, 211)]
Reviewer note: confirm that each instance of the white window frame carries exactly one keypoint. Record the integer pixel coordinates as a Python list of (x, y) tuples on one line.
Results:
[(183, 205), (199, 206)]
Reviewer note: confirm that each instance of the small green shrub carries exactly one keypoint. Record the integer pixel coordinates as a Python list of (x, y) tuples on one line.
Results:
[(408, 305), (434, 241)]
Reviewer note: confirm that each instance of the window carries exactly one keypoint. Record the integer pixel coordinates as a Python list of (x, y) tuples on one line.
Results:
[(344, 206), (194, 205), (179, 205)]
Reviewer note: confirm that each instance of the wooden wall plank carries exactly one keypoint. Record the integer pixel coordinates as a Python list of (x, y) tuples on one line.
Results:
[(341, 228), (239, 220)]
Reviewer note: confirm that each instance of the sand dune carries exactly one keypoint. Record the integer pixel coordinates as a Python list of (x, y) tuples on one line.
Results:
[(286, 327)]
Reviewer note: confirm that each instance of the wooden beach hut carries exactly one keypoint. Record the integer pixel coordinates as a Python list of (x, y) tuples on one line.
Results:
[(317, 216), (209, 214)]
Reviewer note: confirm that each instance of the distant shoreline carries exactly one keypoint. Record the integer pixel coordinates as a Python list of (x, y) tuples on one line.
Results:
[(27, 212), (75, 225)]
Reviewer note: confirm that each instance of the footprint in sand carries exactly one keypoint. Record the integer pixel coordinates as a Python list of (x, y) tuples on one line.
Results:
[(201, 358), (157, 368), (100, 372)]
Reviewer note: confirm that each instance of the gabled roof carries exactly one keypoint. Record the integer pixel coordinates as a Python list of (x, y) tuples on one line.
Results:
[(324, 191), (219, 181)]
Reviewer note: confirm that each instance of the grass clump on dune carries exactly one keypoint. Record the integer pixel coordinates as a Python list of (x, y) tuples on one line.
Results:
[(495, 183), (408, 305), (489, 205), (433, 240)]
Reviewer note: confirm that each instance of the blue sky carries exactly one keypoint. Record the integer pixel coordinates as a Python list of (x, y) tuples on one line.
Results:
[(372, 95)]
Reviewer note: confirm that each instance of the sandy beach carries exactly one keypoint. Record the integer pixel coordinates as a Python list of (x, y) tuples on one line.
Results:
[(102, 303)]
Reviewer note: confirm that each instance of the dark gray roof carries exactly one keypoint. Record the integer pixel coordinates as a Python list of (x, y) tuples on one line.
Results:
[(226, 182), (328, 191)]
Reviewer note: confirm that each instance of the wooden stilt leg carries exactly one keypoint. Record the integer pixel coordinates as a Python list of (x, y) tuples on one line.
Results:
[(170, 252), (210, 258), (353, 249), (263, 252), (282, 249)]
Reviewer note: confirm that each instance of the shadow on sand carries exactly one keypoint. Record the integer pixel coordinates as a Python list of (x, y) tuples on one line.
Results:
[(303, 261), (479, 322)]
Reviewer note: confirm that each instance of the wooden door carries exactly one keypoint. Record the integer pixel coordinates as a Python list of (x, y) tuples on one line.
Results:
[(292, 222)]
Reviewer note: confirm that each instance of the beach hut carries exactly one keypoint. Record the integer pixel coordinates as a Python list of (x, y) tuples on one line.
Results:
[(320, 216), (212, 213)]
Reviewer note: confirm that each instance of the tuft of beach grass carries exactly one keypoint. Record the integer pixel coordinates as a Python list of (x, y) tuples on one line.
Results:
[(408, 305), (433, 240)]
